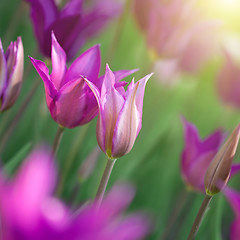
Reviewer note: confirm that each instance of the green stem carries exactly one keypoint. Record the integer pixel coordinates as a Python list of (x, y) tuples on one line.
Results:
[(57, 140), (199, 217), (104, 181)]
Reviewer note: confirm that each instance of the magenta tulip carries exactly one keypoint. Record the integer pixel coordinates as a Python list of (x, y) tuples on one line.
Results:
[(11, 73), (69, 99), (197, 155), (28, 209)]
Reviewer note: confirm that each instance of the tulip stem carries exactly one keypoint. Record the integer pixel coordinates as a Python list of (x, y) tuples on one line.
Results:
[(57, 140), (104, 181), (199, 217)]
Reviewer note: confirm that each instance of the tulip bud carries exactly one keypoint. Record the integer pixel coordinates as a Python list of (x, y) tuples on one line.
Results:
[(218, 172), (11, 73)]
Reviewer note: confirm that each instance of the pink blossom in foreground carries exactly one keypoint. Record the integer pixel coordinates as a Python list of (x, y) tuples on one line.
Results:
[(120, 114), (28, 209), (11, 73), (73, 25), (69, 99)]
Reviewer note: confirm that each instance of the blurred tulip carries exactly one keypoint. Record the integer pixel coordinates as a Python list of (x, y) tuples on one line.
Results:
[(172, 32), (69, 99), (234, 200), (120, 114), (73, 25), (197, 155), (228, 81), (29, 211), (11, 73), (219, 169)]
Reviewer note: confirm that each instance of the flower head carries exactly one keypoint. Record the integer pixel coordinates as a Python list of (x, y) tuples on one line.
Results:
[(28, 209), (120, 114), (69, 99), (197, 155), (218, 172), (11, 73), (73, 25)]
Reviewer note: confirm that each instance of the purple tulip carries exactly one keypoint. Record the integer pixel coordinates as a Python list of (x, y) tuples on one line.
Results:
[(120, 114), (69, 99), (197, 155), (228, 81), (11, 73), (73, 24), (234, 200), (28, 209)]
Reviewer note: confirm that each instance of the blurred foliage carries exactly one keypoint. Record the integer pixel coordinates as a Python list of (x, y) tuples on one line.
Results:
[(153, 164)]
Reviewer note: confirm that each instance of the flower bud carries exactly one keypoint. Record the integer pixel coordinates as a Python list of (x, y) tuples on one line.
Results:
[(218, 172), (11, 73)]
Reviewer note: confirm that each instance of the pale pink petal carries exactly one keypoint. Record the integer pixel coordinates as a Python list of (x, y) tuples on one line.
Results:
[(58, 63)]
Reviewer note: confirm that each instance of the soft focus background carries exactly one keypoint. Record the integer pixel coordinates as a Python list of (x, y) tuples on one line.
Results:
[(153, 164)]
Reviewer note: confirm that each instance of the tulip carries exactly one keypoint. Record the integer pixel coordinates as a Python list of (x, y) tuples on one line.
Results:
[(28, 209), (11, 73), (228, 81), (120, 114), (218, 172), (234, 200), (197, 155), (69, 99), (73, 25)]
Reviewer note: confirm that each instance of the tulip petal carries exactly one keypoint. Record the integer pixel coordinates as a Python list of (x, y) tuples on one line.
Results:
[(71, 103), (87, 65), (95, 19), (15, 77), (125, 131), (43, 72), (3, 70), (58, 63), (100, 122), (43, 14), (73, 7), (34, 182), (61, 27), (139, 98)]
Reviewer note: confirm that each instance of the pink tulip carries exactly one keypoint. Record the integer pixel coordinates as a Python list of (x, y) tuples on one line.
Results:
[(120, 114)]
